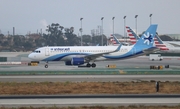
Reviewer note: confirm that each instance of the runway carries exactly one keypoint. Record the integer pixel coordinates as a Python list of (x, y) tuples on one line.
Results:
[(89, 100), (89, 78), (138, 62), (133, 64)]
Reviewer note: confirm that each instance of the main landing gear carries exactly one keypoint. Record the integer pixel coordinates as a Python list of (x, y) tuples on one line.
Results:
[(91, 65), (46, 65)]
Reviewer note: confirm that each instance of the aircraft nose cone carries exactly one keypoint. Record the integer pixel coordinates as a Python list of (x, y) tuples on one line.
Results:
[(30, 56)]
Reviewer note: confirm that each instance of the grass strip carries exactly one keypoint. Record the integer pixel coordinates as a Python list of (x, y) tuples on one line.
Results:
[(143, 87)]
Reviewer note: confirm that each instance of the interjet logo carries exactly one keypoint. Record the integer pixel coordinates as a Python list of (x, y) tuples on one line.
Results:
[(148, 38)]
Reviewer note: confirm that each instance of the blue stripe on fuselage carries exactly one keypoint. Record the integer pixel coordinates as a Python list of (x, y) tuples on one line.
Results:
[(58, 57)]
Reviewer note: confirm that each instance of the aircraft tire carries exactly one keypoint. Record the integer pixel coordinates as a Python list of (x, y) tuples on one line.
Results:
[(88, 65), (93, 65), (46, 66)]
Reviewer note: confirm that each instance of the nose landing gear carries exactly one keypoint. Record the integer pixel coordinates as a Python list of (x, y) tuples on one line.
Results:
[(46, 65)]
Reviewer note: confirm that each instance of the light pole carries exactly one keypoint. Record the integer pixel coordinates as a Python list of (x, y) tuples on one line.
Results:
[(136, 22), (81, 30), (113, 24), (102, 29), (150, 18), (125, 26)]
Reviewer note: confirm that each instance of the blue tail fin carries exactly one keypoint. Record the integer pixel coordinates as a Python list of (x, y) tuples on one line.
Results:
[(147, 39)]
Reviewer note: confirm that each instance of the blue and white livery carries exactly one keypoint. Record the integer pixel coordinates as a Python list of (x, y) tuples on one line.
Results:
[(79, 55)]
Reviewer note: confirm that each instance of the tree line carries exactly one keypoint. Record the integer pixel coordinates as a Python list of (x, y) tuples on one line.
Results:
[(56, 35)]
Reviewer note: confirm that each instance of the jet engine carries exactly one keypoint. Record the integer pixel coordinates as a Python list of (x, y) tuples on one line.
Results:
[(75, 61)]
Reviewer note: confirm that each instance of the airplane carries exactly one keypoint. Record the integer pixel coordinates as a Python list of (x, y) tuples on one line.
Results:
[(79, 55)]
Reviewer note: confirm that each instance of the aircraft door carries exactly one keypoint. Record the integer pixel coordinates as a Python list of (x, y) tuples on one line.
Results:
[(47, 51)]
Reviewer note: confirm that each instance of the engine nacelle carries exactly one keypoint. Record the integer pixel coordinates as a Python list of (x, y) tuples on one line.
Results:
[(75, 61), (68, 63)]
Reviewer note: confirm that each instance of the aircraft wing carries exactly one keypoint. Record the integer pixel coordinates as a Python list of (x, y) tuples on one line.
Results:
[(94, 56)]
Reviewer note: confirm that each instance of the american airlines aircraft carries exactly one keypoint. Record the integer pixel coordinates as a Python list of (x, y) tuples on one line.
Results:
[(79, 55)]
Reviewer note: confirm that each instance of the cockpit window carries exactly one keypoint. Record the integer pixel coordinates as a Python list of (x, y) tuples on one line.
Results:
[(37, 51)]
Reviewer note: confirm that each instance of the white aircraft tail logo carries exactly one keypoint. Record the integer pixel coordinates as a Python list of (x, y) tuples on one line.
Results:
[(148, 38)]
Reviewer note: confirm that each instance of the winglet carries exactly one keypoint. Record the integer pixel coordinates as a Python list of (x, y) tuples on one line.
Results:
[(118, 48), (117, 42)]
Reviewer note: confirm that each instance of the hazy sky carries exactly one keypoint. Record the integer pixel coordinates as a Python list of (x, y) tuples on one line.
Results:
[(30, 15)]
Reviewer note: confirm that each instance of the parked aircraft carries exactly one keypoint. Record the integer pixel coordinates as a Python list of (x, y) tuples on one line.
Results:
[(79, 55)]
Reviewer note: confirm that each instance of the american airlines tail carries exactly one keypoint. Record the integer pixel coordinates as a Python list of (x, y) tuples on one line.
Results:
[(133, 37), (159, 43)]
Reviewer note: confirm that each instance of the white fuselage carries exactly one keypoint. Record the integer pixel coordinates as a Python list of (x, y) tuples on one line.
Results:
[(66, 53), (78, 55)]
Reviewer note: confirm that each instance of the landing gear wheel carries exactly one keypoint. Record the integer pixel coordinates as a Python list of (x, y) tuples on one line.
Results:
[(93, 65), (46, 66), (88, 65)]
